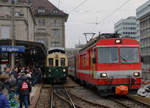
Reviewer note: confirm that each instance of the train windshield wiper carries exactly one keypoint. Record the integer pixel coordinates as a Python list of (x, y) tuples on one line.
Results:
[(124, 59)]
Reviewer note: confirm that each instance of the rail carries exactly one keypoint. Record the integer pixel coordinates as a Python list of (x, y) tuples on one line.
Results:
[(73, 105), (65, 96), (52, 99)]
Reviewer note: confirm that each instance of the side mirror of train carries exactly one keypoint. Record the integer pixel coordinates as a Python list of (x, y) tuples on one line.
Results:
[(94, 60)]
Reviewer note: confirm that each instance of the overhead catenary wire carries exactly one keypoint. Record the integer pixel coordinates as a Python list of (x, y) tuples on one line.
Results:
[(99, 22), (79, 5), (108, 16)]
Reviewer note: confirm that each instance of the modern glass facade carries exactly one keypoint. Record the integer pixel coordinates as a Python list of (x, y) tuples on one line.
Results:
[(127, 27)]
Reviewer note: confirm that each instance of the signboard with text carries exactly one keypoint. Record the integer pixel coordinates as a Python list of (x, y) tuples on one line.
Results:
[(12, 49)]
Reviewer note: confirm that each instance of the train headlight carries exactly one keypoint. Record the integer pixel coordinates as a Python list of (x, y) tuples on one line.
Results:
[(64, 70), (103, 74), (136, 74), (118, 41)]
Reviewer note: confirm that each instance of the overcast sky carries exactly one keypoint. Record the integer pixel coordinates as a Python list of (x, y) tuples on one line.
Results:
[(94, 16)]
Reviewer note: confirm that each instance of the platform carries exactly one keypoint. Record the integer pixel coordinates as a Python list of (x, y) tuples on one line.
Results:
[(34, 96)]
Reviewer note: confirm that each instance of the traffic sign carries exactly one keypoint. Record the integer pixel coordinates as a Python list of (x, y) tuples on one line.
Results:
[(12, 49)]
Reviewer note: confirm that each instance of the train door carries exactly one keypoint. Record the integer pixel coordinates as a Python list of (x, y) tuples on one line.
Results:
[(93, 62), (56, 62)]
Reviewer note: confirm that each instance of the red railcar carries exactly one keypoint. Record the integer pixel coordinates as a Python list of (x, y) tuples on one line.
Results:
[(109, 63)]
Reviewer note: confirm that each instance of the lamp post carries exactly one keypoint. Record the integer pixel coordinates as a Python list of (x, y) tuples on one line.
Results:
[(12, 33)]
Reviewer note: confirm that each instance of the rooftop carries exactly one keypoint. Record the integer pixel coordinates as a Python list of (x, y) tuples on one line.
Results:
[(48, 8)]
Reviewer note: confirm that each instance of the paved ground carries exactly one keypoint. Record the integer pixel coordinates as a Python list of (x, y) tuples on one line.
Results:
[(34, 96)]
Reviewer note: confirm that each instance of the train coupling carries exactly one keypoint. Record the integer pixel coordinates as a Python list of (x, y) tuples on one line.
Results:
[(121, 90)]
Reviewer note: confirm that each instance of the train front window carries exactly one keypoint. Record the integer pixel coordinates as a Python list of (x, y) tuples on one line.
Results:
[(50, 61), (108, 55), (56, 62), (129, 55), (62, 61)]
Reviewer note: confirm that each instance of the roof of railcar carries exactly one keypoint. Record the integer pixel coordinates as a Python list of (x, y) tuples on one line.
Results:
[(56, 50), (110, 41)]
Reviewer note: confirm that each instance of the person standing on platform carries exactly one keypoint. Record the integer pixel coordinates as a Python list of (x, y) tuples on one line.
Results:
[(15, 72), (24, 89), (12, 92), (6, 73), (4, 103)]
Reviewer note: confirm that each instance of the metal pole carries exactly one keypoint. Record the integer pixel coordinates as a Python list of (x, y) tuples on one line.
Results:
[(13, 33)]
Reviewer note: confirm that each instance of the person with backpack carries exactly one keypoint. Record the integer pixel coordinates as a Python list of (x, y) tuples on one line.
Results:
[(24, 89), (4, 103)]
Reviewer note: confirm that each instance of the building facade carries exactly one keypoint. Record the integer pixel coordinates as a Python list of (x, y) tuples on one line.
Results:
[(127, 27), (24, 22), (50, 24), (35, 20), (143, 16)]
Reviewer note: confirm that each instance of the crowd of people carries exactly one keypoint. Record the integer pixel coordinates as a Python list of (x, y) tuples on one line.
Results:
[(16, 85)]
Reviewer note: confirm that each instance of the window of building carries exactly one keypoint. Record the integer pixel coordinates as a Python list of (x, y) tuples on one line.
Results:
[(17, 14), (56, 22), (41, 11), (10, 1), (5, 32), (55, 11), (41, 22), (41, 41), (55, 44), (56, 32)]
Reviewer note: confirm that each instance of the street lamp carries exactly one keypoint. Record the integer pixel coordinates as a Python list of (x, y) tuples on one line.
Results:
[(12, 33)]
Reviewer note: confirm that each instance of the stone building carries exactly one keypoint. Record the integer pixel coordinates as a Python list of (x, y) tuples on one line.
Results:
[(24, 20), (50, 28), (143, 16), (35, 20)]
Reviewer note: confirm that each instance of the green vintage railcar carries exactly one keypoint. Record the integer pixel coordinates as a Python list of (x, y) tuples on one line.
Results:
[(56, 66)]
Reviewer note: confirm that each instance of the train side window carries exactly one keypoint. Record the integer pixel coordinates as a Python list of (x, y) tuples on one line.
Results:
[(62, 61), (95, 52), (50, 61), (94, 58)]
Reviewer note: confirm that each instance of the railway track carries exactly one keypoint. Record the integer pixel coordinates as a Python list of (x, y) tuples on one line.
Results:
[(128, 103), (71, 100), (62, 96), (61, 93)]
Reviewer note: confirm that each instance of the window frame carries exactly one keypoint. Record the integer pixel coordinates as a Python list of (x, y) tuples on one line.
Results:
[(98, 59), (129, 62), (63, 61), (52, 61)]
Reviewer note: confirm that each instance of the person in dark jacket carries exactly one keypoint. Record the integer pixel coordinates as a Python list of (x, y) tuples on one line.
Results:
[(24, 89), (4, 103), (15, 72)]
